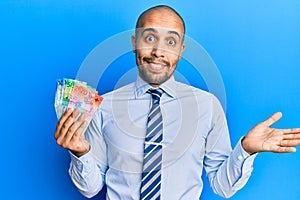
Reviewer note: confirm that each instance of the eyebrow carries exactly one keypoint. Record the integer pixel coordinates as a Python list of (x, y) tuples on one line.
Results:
[(174, 33), (155, 31)]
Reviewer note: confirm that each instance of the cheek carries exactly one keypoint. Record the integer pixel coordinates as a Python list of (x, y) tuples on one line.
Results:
[(143, 53), (173, 61), (139, 57)]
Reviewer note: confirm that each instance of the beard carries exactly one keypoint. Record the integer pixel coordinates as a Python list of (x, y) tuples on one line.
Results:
[(153, 77)]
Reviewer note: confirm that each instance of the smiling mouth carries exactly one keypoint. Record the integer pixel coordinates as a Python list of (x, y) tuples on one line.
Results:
[(156, 66)]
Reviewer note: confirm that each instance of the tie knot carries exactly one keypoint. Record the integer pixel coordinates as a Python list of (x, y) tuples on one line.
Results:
[(156, 94)]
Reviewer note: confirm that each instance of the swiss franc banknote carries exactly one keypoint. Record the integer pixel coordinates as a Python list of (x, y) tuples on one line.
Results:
[(76, 94)]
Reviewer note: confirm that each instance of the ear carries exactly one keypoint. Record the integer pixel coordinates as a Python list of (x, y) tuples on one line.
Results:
[(133, 42), (182, 49)]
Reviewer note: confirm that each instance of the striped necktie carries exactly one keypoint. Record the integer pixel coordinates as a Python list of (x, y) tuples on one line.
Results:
[(151, 175)]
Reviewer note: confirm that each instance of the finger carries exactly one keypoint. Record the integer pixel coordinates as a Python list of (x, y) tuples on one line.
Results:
[(291, 136), (291, 131), (83, 125), (61, 121), (74, 128), (79, 136), (290, 143), (80, 131), (274, 118), (67, 124), (285, 150)]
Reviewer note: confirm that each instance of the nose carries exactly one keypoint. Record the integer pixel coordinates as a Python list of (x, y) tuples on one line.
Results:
[(158, 50)]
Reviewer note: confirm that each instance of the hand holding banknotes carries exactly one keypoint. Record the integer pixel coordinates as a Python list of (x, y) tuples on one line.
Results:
[(75, 105)]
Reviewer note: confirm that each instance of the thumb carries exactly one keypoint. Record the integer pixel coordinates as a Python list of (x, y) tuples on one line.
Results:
[(274, 118)]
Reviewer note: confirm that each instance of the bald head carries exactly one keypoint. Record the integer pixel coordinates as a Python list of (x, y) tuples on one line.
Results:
[(163, 9)]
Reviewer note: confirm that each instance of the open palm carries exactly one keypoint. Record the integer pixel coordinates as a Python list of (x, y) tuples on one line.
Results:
[(263, 138)]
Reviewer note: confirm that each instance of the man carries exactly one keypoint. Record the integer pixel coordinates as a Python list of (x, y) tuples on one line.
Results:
[(151, 139)]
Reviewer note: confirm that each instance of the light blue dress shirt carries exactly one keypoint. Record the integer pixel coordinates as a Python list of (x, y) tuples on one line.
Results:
[(195, 136)]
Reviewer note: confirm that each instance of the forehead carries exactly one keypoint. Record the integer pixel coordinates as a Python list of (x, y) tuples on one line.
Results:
[(164, 20)]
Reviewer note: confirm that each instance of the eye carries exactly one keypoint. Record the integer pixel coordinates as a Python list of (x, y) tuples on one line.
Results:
[(171, 42), (150, 38)]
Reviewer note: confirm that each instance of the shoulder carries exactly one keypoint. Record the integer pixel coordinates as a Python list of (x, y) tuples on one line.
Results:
[(184, 89), (116, 96), (205, 100), (124, 90)]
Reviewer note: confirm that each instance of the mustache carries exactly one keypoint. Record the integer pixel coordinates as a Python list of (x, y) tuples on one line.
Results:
[(155, 60)]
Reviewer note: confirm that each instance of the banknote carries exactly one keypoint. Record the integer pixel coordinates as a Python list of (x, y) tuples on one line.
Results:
[(85, 99), (59, 97), (76, 94)]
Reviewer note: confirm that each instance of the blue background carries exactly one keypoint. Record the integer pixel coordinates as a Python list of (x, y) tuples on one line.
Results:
[(255, 44)]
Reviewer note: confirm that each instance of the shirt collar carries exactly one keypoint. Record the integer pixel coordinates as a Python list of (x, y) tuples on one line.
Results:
[(169, 87)]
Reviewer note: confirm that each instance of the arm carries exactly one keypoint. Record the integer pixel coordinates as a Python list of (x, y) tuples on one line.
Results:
[(227, 170), (86, 170)]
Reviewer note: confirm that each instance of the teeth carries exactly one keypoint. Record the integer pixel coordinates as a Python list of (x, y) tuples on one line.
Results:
[(156, 66)]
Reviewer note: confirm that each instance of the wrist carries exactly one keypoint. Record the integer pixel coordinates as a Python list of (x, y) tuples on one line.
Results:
[(80, 153), (245, 144)]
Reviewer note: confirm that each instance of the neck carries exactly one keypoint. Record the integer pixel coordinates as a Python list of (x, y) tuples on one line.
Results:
[(155, 85)]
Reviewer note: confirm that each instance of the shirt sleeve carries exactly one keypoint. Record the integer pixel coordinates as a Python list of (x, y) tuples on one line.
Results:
[(227, 170), (88, 171)]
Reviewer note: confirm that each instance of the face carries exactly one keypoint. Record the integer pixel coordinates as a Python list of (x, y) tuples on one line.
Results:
[(158, 45)]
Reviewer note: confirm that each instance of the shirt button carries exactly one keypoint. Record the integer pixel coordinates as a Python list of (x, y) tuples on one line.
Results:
[(240, 158), (79, 163)]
